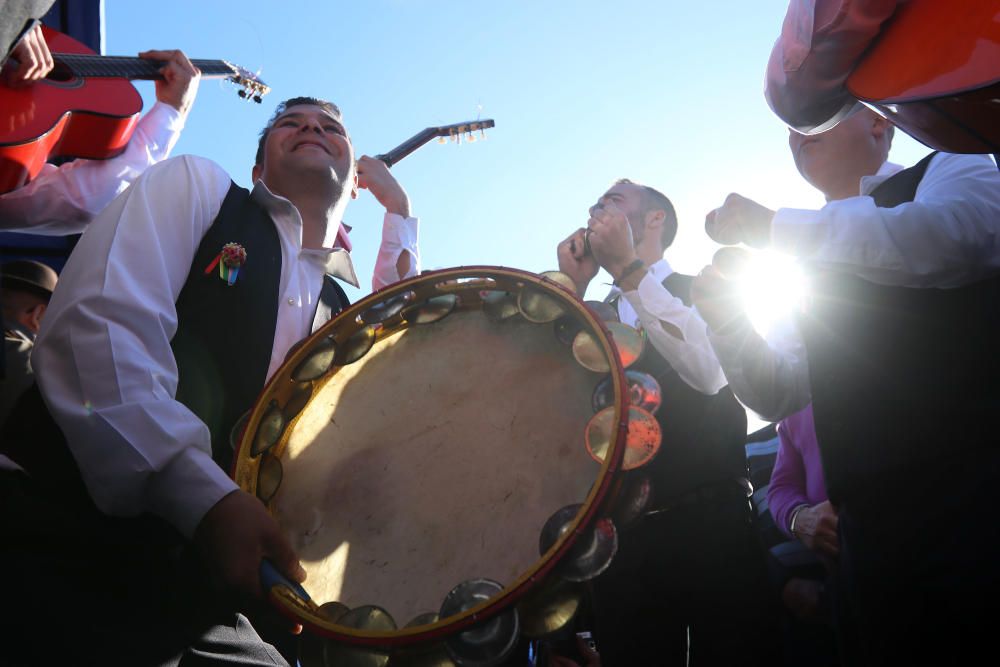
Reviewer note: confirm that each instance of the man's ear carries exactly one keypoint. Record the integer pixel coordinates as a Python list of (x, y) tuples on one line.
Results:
[(35, 316), (879, 126), (654, 221), (255, 173)]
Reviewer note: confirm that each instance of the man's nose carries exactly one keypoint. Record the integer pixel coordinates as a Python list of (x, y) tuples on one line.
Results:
[(311, 125)]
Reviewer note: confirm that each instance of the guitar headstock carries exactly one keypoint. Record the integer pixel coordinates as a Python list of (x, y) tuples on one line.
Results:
[(467, 129), (251, 87), (454, 132)]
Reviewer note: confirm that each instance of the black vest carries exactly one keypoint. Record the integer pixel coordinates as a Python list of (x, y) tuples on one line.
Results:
[(222, 345), (225, 333), (703, 435), (900, 377)]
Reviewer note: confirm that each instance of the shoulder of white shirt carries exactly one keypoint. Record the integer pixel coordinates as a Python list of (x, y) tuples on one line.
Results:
[(940, 159)]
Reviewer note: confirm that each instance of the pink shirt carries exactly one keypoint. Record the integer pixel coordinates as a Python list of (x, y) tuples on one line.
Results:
[(797, 478)]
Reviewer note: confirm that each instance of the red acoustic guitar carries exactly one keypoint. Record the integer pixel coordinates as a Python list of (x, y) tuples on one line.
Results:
[(935, 72), (85, 108)]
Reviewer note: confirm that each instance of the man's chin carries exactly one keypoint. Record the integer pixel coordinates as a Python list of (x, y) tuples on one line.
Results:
[(315, 179)]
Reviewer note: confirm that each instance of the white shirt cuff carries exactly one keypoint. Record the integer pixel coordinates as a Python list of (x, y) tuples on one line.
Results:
[(797, 232), (183, 492), (400, 231)]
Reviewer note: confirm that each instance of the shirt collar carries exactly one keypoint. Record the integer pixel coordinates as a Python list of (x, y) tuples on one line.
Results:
[(336, 260), (659, 270), (340, 265), (273, 203), (887, 170)]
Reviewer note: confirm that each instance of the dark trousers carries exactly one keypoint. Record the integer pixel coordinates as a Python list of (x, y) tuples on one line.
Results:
[(695, 571), (919, 578), (81, 588)]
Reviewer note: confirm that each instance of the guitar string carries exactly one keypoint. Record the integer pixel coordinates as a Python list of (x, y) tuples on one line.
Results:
[(125, 66)]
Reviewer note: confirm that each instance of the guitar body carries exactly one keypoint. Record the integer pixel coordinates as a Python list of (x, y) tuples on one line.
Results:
[(935, 72), (89, 118)]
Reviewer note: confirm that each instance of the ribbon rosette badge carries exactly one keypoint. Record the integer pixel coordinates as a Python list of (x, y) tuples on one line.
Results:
[(229, 261)]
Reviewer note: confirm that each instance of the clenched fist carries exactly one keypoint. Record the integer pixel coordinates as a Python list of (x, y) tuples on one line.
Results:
[(740, 220)]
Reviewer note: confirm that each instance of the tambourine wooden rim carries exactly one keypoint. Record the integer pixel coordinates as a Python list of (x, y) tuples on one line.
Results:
[(470, 282)]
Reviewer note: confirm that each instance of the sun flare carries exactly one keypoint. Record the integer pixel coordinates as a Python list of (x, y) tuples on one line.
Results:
[(773, 287)]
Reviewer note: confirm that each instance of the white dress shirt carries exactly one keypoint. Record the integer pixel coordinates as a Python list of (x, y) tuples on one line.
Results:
[(399, 235), (103, 357), (62, 200), (948, 236), (820, 43), (649, 306)]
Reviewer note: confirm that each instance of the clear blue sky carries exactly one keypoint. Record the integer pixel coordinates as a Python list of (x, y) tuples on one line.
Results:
[(664, 92)]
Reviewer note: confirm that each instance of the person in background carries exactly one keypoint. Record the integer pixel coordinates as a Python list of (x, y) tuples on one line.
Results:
[(896, 349), (62, 200), (797, 499), (688, 581), (25, 289)]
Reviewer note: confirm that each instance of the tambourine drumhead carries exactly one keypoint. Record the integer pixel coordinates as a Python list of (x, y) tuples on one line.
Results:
[(434, 458)]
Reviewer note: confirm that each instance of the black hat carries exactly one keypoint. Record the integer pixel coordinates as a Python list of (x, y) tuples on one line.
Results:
[(28, 275)]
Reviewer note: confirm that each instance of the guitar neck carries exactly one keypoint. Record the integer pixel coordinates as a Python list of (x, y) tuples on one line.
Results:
[(407, 147), (445, 132), (83, 65)]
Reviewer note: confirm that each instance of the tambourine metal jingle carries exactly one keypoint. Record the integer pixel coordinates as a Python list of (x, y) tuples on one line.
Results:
[(382, 490), (643, 392)]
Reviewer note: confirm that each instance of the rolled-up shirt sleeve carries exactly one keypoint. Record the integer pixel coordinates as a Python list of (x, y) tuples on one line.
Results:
[(62, 200), (692, 355), (103, 358), (819, 46), (399, 235), (949, 235)]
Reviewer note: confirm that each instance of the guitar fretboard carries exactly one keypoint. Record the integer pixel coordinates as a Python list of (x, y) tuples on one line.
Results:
[(82, 65)]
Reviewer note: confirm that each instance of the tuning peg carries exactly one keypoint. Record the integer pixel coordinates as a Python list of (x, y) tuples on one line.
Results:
[(256, 98), (442, 140), (482, 133), (470, 137), (242, 93)]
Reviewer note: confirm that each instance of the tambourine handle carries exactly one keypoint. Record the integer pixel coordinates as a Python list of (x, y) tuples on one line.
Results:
[(270, 577)]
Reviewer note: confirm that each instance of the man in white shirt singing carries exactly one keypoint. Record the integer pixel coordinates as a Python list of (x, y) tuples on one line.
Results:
[(147, 359)]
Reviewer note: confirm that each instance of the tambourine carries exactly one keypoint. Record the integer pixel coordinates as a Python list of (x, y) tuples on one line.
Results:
[(442, 456)]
